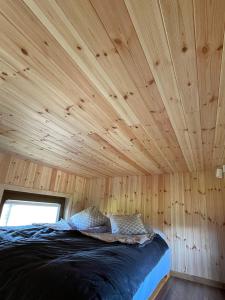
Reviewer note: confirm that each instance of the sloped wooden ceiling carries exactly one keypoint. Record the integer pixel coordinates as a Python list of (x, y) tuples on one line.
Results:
[(113, 87)]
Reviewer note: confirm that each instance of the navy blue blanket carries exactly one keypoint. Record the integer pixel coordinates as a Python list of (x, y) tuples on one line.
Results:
[(43, 264)]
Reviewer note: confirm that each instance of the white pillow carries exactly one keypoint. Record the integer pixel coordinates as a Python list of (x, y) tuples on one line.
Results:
[(127, 224), (87, 218)]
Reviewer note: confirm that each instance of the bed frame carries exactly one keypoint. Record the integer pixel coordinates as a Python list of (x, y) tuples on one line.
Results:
[(159, 287)]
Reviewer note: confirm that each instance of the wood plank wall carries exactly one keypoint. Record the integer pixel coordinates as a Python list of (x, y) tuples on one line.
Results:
[(188, 207), (25, 175)]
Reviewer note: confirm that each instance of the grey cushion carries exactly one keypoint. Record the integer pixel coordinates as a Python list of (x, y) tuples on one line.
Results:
[(127, 224), (87, 218)]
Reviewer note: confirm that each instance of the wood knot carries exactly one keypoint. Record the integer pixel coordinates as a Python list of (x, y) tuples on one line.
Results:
[(69, 107), (220, 48), (205, 49), (151, 81), (184, 49), (118, 41), (212, 99), (24, 51)]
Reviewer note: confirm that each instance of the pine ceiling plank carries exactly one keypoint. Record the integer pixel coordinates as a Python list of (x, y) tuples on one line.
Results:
[(43, 111), (51, 121), (177, 162), (122, 37), (73, 145), (30, 47), (49, 129), (69, 39), (42, 69), (44, 60), (106, 88), (117, 22), (31, 83), (72, 151), (133, 148), (109, 62), (147, 19), (20, 142), (179, 27), (107, 147), (209, 31)]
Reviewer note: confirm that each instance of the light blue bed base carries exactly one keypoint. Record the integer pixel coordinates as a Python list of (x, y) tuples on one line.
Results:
[(150, 283)]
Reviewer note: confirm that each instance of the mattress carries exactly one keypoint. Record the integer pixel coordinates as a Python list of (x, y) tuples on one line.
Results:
[(154, 277)]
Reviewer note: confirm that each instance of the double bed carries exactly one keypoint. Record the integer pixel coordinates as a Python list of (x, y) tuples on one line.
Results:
[(40, 263)]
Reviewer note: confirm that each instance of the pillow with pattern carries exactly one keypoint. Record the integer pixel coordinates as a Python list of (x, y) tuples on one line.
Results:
[(127, 224), (87, 218)]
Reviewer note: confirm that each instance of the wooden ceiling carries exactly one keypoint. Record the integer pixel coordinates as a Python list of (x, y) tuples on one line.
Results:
[(114, 87)]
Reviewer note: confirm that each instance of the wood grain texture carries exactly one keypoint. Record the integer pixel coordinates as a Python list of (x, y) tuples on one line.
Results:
[(196, 279), (188, 207), (28, 176), (177, 288), (113, 88)]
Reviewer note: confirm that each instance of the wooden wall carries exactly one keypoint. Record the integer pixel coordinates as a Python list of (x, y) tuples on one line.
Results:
[(188, 207), (21, 174)]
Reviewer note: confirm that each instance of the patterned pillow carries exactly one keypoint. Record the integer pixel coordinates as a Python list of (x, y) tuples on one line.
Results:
[(127, 224), (89, 217)]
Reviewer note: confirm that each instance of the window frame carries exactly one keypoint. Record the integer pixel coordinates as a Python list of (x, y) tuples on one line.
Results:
[(31, 197)]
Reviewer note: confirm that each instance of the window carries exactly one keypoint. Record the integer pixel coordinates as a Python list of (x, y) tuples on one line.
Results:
[(25, 208), (17, 212)]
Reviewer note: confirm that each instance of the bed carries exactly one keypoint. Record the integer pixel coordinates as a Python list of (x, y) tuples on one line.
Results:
[(40, 263)]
